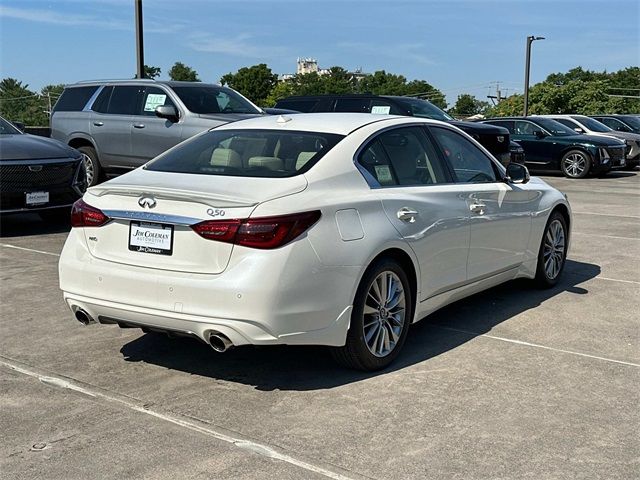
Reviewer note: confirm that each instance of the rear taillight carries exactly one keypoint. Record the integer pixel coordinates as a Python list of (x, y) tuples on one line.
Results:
[(84, 215), (264, 233)]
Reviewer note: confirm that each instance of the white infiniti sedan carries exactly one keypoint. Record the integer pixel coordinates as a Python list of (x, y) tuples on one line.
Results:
[(326, 229)]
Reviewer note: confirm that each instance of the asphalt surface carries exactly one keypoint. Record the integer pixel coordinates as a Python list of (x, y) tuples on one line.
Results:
[(510, 383)]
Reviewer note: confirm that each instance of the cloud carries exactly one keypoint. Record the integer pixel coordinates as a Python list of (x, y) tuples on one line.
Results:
[(413, 52), (64, 19), (242, 45)]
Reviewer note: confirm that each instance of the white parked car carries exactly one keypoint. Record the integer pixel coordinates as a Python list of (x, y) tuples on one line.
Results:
[(326, 229)]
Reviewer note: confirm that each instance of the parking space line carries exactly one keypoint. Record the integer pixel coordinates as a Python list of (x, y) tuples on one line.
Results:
[(605, 214), (618, 280), (535, 345), (6, 245), (97, 392), (604, 236)]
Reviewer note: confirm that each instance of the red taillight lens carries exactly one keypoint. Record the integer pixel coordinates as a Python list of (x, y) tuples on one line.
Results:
[(84, 215), (264, 233)]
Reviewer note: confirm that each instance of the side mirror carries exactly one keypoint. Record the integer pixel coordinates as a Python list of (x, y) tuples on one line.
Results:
[(579, 130), (19, 125), (539, 134), (517, 173), (169, 112)]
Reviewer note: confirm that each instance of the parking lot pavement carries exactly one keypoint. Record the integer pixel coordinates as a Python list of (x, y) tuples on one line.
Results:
[(511, 383)]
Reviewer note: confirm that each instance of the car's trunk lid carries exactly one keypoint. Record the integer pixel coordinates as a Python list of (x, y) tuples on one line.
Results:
[(161, 207)]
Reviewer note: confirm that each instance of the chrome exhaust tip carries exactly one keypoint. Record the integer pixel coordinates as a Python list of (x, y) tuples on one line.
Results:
[(83, 317), (219, 342)]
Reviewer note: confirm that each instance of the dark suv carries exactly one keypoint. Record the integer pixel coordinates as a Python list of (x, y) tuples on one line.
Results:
[(120, 125), (494, 139), (551, 146)]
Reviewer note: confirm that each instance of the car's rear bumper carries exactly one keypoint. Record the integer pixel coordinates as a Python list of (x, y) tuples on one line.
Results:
[(281, 297)]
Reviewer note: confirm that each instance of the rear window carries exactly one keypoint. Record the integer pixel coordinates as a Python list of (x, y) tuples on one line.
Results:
[(74, 99), (247, 153)]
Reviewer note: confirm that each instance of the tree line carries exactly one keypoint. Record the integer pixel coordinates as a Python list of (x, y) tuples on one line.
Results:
[(576, 91)]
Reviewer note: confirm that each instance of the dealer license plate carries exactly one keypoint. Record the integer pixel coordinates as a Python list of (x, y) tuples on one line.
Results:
[(36, 198), (149, 237)]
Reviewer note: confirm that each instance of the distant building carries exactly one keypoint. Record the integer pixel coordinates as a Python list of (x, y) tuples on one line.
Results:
[(310, 65)]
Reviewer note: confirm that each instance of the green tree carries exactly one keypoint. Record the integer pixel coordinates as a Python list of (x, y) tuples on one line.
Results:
[(151, 71), (20, 104), (383, 83), (255, 83), (283, 89), (467, 105), (427, 91), (182, 72)]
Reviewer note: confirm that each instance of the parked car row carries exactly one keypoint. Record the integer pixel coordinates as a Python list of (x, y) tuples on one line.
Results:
[(551, 146)]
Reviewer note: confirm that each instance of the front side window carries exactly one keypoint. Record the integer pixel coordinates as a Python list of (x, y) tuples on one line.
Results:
[(468, 162), (526, 128), (154, 97), (124, 100), (7, 129), (593, 125), (403, 156), (247, 153), (568, 123), (615, 124), (205, 99)]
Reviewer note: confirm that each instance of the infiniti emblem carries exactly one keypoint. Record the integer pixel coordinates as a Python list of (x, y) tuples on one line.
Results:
[(147, 201)]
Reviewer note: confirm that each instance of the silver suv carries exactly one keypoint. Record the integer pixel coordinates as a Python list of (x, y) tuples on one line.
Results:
[(120, 125)]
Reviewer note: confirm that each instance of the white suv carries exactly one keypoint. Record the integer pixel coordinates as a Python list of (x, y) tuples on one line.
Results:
[(120, 125)]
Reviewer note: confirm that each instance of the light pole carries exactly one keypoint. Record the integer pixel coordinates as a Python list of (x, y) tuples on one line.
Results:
[(139, 43), (530, 40)]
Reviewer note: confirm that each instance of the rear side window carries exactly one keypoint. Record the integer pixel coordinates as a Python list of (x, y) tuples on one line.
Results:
[(74, 99), (102, 102), (124, 100), (468, 162), (247, 153), (303, 105), (403, 156), (357, 105)]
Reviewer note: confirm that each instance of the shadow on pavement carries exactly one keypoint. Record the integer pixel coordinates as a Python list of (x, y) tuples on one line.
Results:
[(28, 224), (311, 367)]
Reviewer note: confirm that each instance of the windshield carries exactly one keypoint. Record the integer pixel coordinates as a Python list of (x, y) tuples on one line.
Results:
[(209, 99), (425, 109), (553, 127), (593, 125), (633, 122), (247, 153), (7, 129)]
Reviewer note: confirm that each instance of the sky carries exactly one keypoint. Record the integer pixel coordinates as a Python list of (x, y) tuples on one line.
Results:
[(459, 46)]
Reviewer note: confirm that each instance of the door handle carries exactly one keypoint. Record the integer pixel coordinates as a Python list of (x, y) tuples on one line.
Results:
[(138, 125), (477, 208), (407, 214), (98, 124)]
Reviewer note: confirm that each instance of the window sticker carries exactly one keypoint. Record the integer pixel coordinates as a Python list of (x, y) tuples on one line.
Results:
[(381, 109), (154, 100), (383, 173)]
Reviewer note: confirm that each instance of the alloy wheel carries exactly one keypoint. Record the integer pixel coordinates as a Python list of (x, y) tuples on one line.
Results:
[(575, 164), (554, 248), (384, 314), (88, 168)]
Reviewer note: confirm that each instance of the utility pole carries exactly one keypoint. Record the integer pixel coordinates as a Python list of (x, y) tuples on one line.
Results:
[(139, 42), (527, 66)]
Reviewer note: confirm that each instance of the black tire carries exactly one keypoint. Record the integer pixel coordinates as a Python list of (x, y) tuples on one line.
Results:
[(545, 279), (91, 165), (57, 216), (575, 164), (356, 354)]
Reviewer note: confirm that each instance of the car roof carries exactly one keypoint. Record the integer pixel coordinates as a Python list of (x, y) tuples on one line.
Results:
[(337, 123), (145, 81)]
